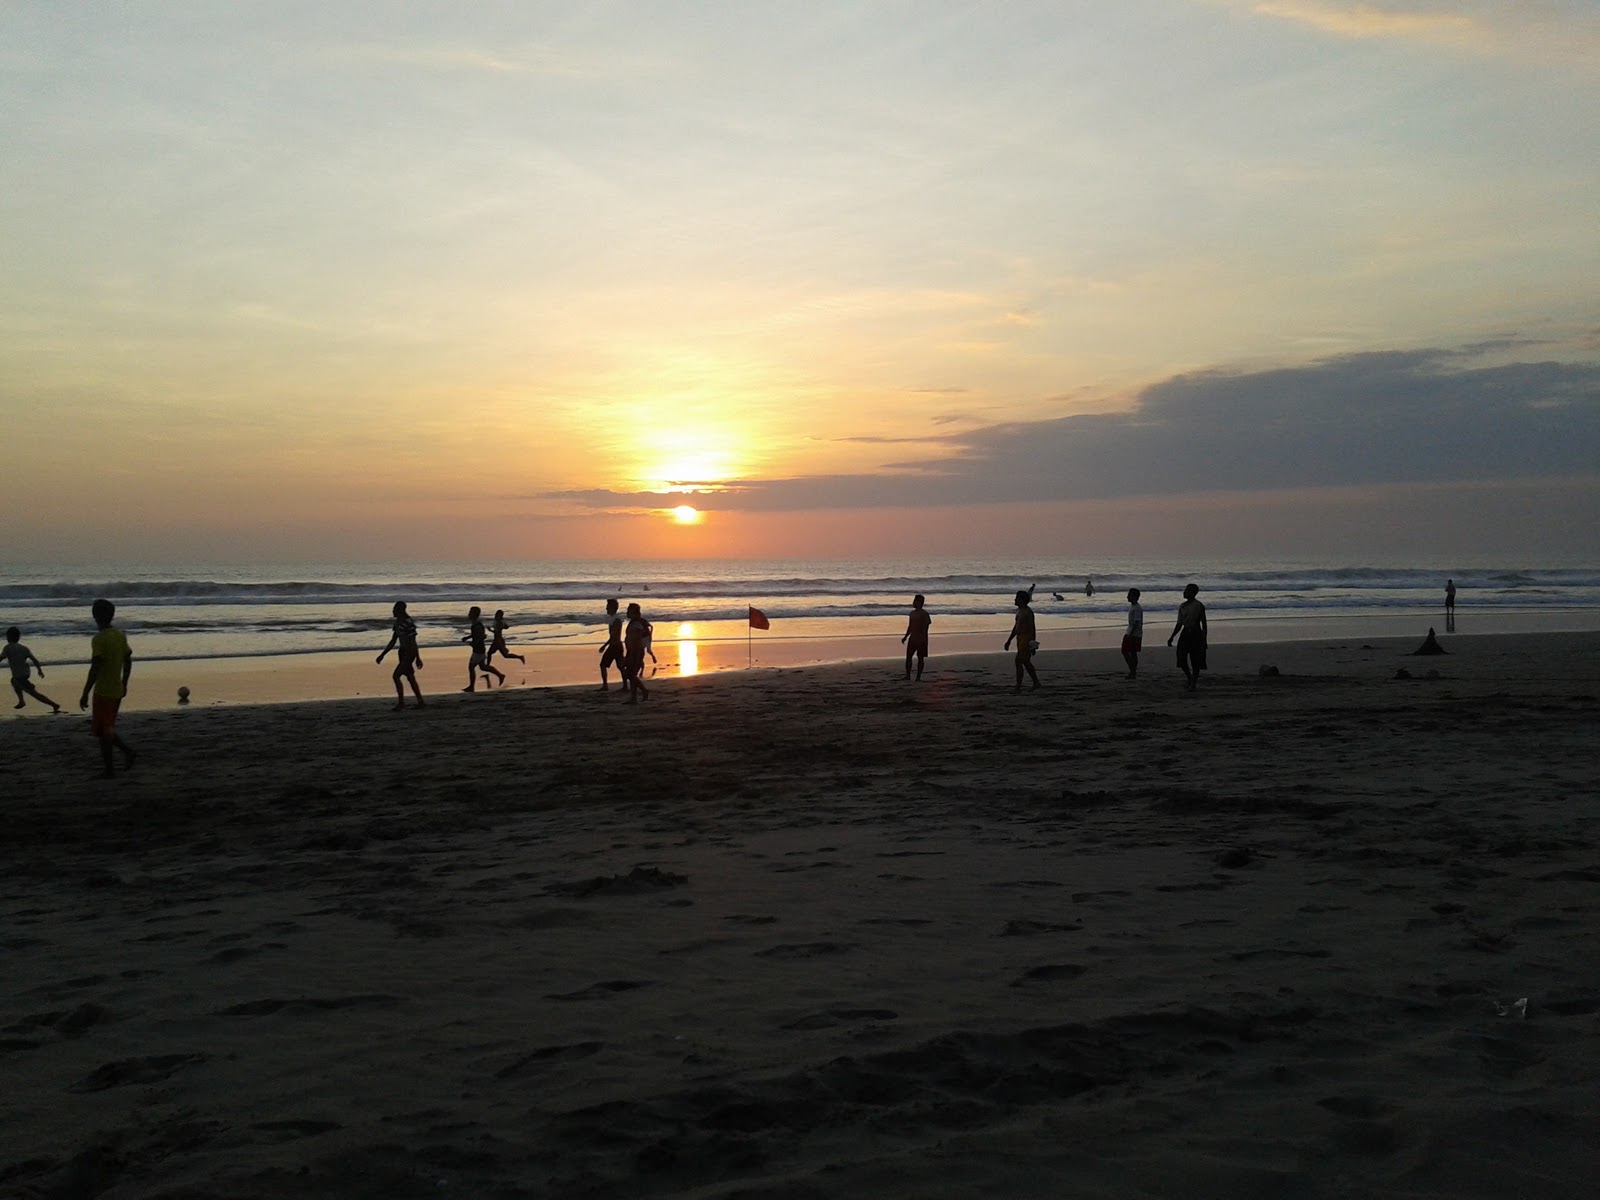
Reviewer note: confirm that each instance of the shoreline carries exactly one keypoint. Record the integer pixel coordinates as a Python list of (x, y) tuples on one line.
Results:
[(352, 675)]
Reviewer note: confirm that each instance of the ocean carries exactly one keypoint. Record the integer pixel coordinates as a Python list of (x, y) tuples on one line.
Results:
[(202, 611)]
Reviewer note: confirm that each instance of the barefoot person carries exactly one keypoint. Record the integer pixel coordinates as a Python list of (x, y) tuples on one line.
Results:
[(479, 660), (19, 656), (636, 644), (915, 638), (1023, 633), (1191, 634), (1133, 638), (110, 665), (497, 638), (409, 658), (611, 651)]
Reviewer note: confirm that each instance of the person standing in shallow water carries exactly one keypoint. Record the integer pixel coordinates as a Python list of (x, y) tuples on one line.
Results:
[(915, 638), (1449, 605), (1026, 637), (1191, 634), (409, 658)]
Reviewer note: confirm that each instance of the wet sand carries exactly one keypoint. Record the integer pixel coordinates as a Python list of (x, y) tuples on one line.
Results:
[(822, 932)]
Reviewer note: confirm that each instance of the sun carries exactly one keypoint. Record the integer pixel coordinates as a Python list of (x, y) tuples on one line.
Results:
[(686, 514)]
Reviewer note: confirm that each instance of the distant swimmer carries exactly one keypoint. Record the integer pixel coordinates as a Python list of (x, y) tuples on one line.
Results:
[(497, 641), (409, 659), (1057, 596), (915, 638), (19, 656), (1088, 587), (1191, 634)]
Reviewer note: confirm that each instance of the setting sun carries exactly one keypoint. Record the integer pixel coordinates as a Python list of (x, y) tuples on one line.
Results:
[(686, 514)]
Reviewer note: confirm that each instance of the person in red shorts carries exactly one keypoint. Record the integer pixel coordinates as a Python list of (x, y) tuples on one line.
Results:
[(1133, 639), (110, 665)]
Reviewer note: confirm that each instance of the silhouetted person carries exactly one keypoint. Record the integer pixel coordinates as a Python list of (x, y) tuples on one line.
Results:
[(1026, 637), (19, 656), (110, 665), (1191, 634), (915, 638), (1088, 587), (1430, 645), (1449, 605), (636, 644), (497, 639), (409, 660), (1057, 596), (611, 652), (1133, 638), (479, 660)]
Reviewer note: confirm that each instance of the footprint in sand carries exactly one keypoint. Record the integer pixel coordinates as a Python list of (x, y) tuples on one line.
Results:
[(1051, 973), (831, 1017), (150, 1069), (603, 988)]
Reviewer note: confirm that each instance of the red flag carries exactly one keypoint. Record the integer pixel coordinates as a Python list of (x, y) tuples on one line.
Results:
[(758, 619)]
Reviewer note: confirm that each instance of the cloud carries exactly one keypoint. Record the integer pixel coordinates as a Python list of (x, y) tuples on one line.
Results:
[(1534, 30), (1398, 417)]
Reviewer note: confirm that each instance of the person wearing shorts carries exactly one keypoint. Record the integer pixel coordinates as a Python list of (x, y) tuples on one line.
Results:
[(409, 658), (110, 666), (1025, 634), (19, 657), (1191, 634), (636, 644), (915, 637), (1133, 639), (611, 653), (480, 652)]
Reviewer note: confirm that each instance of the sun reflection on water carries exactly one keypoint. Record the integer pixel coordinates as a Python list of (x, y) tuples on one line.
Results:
[(688, 650)]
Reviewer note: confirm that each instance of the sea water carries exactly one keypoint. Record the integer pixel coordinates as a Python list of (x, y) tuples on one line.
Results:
[(214, 610)]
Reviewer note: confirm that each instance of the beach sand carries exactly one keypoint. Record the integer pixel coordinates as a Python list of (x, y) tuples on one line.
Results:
[(822, 932)]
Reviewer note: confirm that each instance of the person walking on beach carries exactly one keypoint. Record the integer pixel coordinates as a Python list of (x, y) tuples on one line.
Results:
[(409, 659), (611, 651), (479, 660), (19, 656), (1133, 639), (497, 639), (636, 644), (1191, 634), (1023, 633), (110, 666), (915, 638)]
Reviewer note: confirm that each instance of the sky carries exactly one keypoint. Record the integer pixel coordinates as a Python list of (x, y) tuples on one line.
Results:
[(364, 281)]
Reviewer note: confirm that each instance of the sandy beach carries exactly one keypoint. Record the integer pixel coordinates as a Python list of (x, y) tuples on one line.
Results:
[(821, 932)]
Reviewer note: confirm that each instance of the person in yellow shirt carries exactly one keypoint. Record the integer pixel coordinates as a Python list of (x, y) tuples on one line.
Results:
[(110, 665)]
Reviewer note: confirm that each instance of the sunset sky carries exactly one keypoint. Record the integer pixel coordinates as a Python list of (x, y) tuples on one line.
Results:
[(372, 280)]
